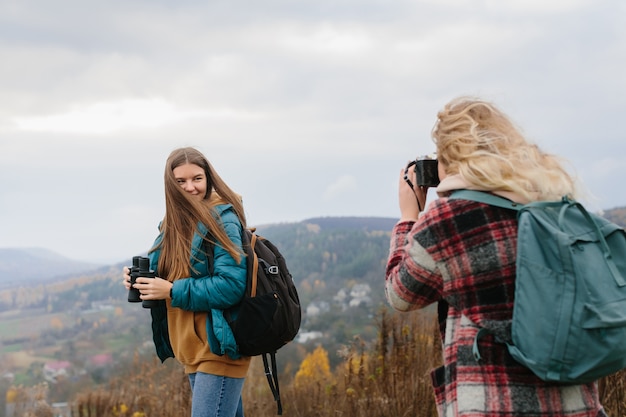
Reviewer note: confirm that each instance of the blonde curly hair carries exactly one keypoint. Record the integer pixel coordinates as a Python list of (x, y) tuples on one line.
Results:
[(480, 143)]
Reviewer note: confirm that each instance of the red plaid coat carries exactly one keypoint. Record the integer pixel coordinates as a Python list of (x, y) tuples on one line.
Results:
[(463, 253)]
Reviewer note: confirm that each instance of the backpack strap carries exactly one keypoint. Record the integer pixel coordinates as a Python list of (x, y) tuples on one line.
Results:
[(492, 200), (606, 250), (255, 263), (487, 198), (272, 379)]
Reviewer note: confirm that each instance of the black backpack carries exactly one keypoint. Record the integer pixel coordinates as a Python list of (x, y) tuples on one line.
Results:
[(269, 313)]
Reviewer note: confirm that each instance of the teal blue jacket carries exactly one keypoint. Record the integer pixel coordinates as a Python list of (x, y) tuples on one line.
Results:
[(205, 291)]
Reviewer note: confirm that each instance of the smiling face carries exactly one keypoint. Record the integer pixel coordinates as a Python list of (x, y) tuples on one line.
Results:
[(192, 179)]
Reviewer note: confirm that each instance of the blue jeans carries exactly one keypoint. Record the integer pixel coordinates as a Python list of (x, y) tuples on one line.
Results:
[(215, 396)]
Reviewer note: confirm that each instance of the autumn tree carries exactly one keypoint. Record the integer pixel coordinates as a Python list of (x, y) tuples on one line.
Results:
[(314, 368)]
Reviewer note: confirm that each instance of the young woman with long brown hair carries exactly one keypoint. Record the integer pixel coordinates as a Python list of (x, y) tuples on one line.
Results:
[(194, 287)]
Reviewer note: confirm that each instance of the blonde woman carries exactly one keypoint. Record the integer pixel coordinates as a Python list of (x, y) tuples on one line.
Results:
[(188, 322), (461, 255)]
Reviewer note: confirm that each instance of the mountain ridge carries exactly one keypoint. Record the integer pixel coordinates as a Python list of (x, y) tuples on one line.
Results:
[(19, 266), (33, 265), (36, 265)]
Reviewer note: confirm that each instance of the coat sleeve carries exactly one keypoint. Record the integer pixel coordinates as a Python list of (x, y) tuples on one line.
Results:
[(225, 287), (412, 279)]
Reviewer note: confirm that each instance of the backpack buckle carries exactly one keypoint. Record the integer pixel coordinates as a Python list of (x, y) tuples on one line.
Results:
[(272, 269)]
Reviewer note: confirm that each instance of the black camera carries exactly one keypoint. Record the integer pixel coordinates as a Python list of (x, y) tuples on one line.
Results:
[(426, 171), (140, 268)]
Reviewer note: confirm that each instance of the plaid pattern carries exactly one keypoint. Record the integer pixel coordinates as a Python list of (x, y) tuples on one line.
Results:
[(463, 253)]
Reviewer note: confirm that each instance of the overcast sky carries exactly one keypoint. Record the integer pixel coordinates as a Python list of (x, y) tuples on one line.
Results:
[(306, 107)]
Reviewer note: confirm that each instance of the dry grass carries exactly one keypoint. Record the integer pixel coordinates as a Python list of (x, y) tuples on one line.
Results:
[(613, 394), (149, 389), (389, 378), (29, 402)]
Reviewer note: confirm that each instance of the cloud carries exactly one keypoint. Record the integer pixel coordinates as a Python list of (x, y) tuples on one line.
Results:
[(326, 40), (538, 7), (342, 185), (307, 108), (109, 117)]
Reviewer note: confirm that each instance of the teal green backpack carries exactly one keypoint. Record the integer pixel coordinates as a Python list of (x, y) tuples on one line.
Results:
[(569, 314)]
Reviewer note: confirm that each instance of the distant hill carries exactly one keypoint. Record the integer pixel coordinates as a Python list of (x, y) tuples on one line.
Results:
[(335, 223), (353, 223), (36, 265), (19, 266), (616, 215), (301, 240)]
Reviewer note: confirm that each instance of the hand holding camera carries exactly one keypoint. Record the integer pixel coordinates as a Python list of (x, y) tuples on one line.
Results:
[(426, 171), (419, 174)]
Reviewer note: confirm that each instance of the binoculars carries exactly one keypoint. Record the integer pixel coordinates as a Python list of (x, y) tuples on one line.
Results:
[(140, 268)]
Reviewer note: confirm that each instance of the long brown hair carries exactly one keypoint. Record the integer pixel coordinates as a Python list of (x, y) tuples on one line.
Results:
[(183, 213)]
